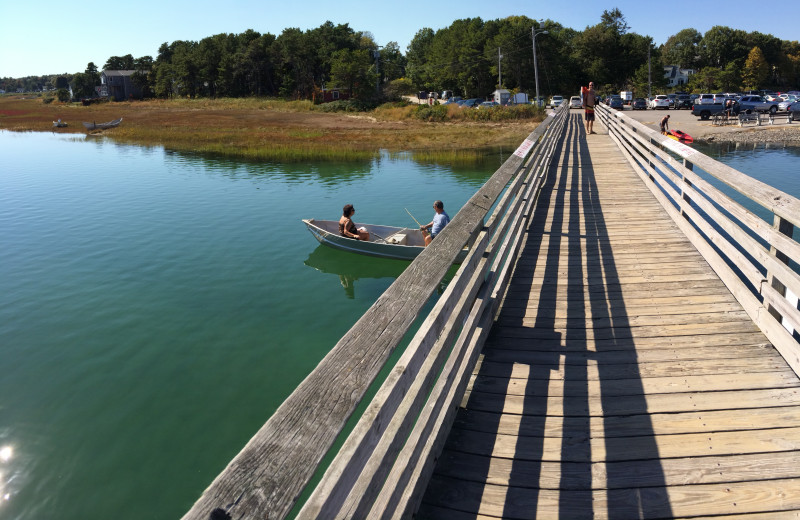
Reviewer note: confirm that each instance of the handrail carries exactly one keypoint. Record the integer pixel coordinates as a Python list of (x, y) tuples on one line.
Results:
[(729, 236), (266, 478)]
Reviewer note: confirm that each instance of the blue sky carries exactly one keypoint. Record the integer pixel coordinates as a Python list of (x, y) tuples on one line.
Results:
[(48, 37)]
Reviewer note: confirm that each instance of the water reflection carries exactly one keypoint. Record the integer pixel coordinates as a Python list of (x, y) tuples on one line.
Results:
[(350, 267)]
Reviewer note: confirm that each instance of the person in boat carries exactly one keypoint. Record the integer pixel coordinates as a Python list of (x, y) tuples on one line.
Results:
[(665, 124), (435, 226), (348, 228)]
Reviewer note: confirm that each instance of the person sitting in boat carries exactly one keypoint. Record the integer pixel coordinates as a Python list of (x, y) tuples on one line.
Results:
[(348, 228), (440, 220), (665, 124)]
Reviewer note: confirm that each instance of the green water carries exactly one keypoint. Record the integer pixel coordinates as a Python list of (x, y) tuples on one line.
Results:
[(156, 308)]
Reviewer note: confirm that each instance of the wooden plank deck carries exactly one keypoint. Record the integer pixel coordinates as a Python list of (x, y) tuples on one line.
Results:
[(622, 379)]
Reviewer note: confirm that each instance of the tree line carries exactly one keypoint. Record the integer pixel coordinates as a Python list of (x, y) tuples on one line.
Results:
[(469, 57)]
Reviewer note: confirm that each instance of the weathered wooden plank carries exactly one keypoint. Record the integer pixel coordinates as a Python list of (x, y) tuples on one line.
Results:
[(598, 370), (626, 474), (654, 502), (708, 421), (567, 345), (711, 354), (667, 395)]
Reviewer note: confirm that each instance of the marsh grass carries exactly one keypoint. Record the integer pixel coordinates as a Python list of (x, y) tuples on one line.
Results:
[(276, 130)]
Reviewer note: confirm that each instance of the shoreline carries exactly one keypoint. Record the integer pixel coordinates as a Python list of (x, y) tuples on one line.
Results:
[(779, 132)]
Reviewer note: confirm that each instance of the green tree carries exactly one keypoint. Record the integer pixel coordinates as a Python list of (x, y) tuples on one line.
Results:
[(755, 71), (722, 45), (62, 94), (354, 70), (119, 63), (705, 80), (397, 88), (392, 62), (682, 49), (418, 55), (83, 85)]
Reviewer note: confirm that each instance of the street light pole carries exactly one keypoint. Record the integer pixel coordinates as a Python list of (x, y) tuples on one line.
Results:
[(534, 34)]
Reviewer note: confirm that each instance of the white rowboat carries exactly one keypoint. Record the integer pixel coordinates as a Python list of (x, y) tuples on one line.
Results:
[(384, 241)]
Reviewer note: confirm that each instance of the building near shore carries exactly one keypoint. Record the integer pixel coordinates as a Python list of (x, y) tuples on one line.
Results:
[(677, 76)]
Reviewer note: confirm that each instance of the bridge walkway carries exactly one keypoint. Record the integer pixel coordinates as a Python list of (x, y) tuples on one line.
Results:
[(621, 378)]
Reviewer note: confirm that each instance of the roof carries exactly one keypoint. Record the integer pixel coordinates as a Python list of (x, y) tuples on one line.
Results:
[(119, 72)]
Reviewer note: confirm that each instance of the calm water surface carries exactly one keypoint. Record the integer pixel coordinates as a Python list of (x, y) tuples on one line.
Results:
[(156, 308)]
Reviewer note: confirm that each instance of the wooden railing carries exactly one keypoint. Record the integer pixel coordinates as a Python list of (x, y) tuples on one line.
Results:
[(729, 236), (384, 464)]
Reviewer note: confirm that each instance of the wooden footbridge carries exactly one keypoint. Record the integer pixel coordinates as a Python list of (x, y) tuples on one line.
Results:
[(619, 344)]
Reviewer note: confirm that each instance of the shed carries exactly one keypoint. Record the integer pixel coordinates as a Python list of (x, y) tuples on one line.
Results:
[(501, 96), (332, 94)]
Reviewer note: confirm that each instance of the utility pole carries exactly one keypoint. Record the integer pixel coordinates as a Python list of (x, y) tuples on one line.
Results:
[(649, 78), (534, 34), (499, 70)]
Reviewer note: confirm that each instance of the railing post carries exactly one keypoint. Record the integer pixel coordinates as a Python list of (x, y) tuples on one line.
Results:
[(785, 227), (686, 199)]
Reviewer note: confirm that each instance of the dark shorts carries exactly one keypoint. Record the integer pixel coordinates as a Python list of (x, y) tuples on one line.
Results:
[(589, 114)]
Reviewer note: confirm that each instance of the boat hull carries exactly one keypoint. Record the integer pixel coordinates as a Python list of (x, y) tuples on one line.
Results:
[(385, 241), (683, 137)]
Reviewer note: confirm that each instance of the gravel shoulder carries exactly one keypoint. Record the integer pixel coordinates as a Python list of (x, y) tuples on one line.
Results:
[(780, 132)]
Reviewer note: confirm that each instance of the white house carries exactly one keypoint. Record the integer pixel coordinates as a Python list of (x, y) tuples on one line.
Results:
[(677, 76)]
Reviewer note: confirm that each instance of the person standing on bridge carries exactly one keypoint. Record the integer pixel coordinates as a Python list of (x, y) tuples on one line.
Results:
[(440, 220), (589, 101)]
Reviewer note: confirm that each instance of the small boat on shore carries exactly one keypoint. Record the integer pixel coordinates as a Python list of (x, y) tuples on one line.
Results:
[(384, 241), (682, 137), (102, 126), (59, 124)]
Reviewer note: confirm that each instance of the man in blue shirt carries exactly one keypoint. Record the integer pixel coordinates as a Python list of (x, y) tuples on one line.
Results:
[(440, 220)]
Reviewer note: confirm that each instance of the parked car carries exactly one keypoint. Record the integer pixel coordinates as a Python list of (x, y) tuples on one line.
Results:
[(488, 104), (751, 104), (704, 99), (469, 103), (639, 104), (660, 101), (556, 101), (575, 102), (772, 98), (794, 110), (672, 99), (784, 105), (683, 101), (615, 102)]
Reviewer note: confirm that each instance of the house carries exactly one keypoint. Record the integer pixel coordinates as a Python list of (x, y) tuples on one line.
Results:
[(120, 85), (332, 94), (677, 76)]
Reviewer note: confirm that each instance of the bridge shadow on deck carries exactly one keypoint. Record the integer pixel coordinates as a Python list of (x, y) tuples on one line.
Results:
[(522, 448)]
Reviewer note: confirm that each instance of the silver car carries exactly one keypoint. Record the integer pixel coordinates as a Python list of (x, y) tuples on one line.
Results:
[(750, 104), (784, 105)]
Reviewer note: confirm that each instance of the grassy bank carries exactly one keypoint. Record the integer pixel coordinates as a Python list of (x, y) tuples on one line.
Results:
[(277, 130)]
